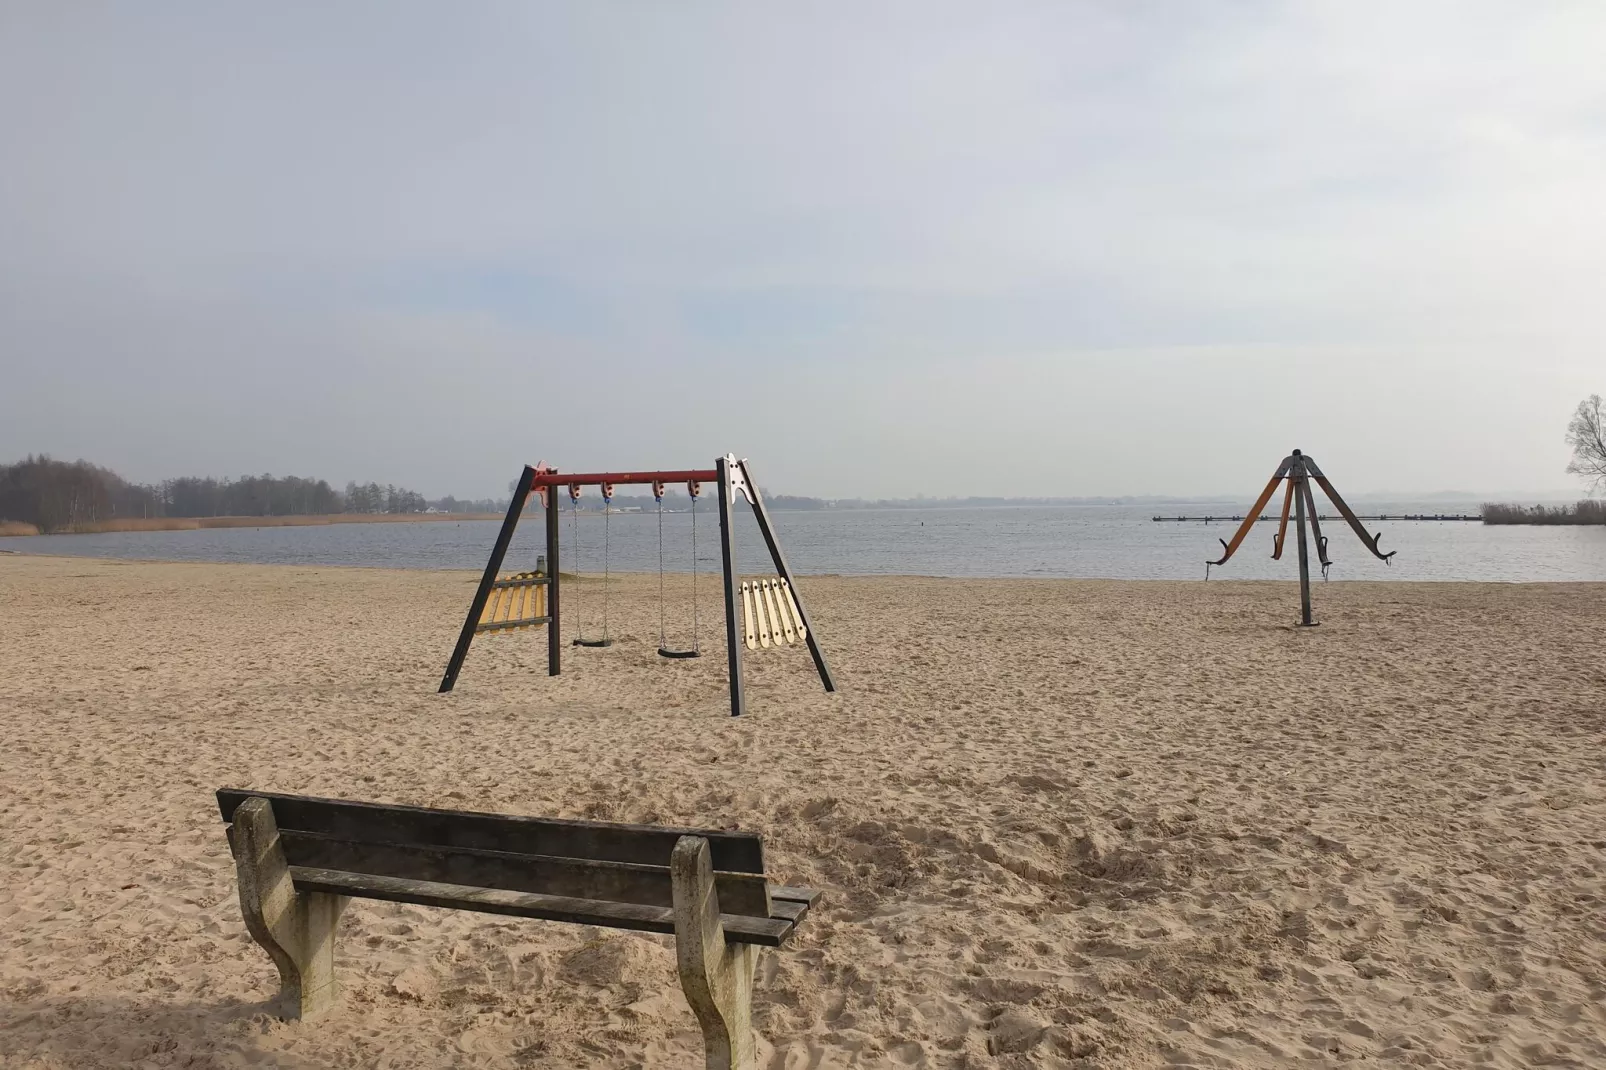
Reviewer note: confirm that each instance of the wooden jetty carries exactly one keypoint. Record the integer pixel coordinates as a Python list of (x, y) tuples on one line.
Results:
[(1263, 517)]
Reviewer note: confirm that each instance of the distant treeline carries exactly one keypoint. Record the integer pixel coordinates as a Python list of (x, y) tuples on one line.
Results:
[(53, 495), (1585, 512), (450, 504)]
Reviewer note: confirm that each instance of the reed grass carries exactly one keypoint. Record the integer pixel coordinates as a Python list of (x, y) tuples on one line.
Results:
[(337, 518), (133, 523), (1585, 512), (193, 523)]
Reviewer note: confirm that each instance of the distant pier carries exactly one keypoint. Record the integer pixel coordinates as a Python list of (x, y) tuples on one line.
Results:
[(1324, 516)]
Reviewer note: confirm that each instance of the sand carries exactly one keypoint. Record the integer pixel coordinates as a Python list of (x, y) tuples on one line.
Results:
[(1057, 824)]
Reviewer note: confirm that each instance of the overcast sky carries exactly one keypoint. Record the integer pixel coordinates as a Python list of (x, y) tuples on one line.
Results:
[(880, 249)]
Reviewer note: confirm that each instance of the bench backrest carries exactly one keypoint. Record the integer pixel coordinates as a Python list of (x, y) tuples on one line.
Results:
[(595, 860)]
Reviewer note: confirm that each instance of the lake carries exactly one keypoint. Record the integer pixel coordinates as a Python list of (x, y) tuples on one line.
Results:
[(1082, 542)]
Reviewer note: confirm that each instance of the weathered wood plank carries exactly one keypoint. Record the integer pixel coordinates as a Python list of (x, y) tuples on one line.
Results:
[(523, 579), (733, 852), (749, 619), (806, 896), (791, 608), (618, 882), (790, 911), (765, 932), (512, 625)]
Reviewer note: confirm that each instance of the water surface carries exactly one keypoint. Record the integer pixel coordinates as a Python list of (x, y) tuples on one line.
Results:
[(1084, 542)]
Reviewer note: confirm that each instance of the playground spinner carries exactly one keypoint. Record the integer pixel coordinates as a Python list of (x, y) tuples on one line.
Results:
[(775, 613), (1299, 470)]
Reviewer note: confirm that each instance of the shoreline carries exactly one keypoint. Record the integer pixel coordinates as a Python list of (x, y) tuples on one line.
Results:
[(630, 575)]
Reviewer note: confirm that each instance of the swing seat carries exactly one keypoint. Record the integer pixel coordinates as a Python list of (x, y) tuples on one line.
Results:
[(666, 652), (770, 615), (593, 642)]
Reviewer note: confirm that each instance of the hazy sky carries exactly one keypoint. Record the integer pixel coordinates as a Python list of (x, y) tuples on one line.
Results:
[(880, 249)]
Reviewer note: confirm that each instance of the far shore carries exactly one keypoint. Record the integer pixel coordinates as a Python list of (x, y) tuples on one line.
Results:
[(194, 523)]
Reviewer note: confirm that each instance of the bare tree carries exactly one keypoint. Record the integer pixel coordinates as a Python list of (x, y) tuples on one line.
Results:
[(1586, 434)]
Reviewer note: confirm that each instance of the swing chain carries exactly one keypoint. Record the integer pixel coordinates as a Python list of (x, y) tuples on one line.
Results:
[(574, 553), (658, 496), (607, 513), (694, 489)]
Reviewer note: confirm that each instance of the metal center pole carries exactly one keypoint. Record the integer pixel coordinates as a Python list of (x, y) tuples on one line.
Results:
[(1298, 476)]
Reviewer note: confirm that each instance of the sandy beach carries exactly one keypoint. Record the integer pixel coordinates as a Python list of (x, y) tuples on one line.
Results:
[(1057, 823)]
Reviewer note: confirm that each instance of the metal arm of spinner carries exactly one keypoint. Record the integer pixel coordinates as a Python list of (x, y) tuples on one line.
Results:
[(1231, 548), (1348, 513), (1303, 483), (1278, 541), (1300, 470)]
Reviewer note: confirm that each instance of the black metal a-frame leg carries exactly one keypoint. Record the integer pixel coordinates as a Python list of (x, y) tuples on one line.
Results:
[(727, 546), (554, 632), (504, 539), (779, 558)]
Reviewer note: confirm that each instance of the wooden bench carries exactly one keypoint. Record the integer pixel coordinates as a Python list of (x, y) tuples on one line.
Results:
[(301, 859)]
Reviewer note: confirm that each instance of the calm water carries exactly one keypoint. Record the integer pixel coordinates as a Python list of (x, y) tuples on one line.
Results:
[(1119, 542)]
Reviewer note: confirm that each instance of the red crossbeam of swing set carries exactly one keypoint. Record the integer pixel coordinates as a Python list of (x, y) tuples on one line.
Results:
[(592, 479)]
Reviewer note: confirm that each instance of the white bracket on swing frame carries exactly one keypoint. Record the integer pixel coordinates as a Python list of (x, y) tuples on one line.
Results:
[(737, 473), (543, 493)]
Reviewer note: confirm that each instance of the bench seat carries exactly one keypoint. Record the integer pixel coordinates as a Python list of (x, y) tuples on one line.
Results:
[(765, 932)]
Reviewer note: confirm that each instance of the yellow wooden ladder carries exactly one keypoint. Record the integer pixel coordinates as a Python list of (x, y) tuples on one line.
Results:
[(515, 603), (770, 615)]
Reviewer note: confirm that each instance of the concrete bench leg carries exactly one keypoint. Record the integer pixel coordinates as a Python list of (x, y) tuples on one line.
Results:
[(296, 928), (716, 976)]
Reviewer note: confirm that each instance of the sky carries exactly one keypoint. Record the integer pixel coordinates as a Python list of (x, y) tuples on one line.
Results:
[(1099, 248)]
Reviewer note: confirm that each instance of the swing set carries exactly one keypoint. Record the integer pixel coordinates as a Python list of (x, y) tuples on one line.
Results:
[(771, 611)]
